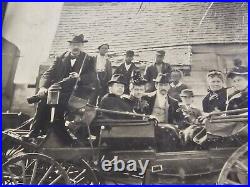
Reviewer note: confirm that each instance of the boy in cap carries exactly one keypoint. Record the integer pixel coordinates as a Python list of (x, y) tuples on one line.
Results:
[(153, 70), (113, 100), (190, 113), (176, 86), (136, 99), (126, 69)]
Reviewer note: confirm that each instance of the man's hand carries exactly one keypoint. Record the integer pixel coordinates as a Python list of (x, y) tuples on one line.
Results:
[(42, 91), (73, 75)]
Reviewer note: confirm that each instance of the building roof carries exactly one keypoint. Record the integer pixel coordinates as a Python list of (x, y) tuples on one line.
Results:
[(136, 26)]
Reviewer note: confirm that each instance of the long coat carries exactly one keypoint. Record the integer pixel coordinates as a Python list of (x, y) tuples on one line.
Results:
[(127, 74), (62, 67), (151, 73)]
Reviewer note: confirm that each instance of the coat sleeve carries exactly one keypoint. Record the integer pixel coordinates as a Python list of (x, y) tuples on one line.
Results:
[(49, 75)]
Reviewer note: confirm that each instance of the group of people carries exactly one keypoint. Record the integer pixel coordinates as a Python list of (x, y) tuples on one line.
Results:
[(158, 92)]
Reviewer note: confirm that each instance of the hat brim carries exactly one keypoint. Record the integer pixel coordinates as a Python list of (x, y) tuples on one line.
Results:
[(233, 74), (84, 41), (110, 82)]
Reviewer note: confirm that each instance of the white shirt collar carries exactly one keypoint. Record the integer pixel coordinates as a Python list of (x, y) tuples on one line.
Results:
[(72, 62), (127, 66), (177, 85)]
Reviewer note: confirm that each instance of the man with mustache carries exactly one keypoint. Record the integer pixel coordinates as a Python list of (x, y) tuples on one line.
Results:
[(162, 106), (66, 68)]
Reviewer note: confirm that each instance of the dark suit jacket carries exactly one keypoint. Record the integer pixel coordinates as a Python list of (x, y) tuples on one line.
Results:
[(173, 115), (218, 102), (127, 74), (151, 73), (62, 67)]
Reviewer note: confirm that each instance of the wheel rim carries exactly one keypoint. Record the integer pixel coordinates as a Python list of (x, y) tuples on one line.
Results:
[(235, 170), (33, 168)]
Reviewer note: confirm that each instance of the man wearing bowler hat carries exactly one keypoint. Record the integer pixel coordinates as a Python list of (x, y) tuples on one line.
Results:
[(126, 69), (66, 69), (156, 68), (162, 106)]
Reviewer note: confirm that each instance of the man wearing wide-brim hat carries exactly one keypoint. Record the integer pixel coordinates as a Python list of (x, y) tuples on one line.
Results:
[(153, 70), (66, 68)]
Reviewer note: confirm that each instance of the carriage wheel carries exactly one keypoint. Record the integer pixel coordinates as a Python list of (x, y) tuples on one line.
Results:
[(235, 170), (80, 173), (33, 168)]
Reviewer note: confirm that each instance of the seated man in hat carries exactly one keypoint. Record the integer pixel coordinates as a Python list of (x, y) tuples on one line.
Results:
[(176, 86), (66, 70), (153, 70), (126, 69), (136, 99), (161, 105), (113, 100)]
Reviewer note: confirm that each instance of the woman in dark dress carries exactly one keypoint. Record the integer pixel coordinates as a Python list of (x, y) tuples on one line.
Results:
[(216, 98)]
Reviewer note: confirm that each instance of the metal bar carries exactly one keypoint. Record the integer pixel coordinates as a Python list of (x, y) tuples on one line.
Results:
[(229, 117), (229, 111), (121, 121), (229, 120), (122, 125)]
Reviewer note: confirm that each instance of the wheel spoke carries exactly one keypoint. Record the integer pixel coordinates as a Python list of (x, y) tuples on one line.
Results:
[(54, 181), (83, 171), (23, 172), (34, 172), (46, 174), (12, 175), (242, 166)]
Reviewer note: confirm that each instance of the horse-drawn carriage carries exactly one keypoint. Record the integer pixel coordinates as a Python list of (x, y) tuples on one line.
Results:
[(125, 146)]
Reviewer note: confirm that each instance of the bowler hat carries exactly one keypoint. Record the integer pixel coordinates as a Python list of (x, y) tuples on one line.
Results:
[(160, 53), (137, 79), (187, 93), (78, 39), (103, 45), (130, 53), (238, 71), (117, 78), (162, 78)]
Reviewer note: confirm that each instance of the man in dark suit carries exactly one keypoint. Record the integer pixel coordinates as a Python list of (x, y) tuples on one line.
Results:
[(154, 69), (126, 69), (161, 105), (66, 70)]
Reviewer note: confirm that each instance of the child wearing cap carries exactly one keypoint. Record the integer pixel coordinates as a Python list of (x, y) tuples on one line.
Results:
[(189, 112), (176, 86), (216, 98)]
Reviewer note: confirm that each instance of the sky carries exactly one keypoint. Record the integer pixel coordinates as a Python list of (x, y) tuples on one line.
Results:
[(31, 27)]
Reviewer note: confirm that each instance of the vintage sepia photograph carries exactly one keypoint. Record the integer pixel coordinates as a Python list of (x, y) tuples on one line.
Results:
[(124, 93)]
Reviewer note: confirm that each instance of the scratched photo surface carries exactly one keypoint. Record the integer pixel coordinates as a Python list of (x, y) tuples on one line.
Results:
[(125, 93)]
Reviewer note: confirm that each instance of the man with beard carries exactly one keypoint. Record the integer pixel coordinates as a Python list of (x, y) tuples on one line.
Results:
[(153, 70), (161, 105), (126, 69), (65, 70)]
